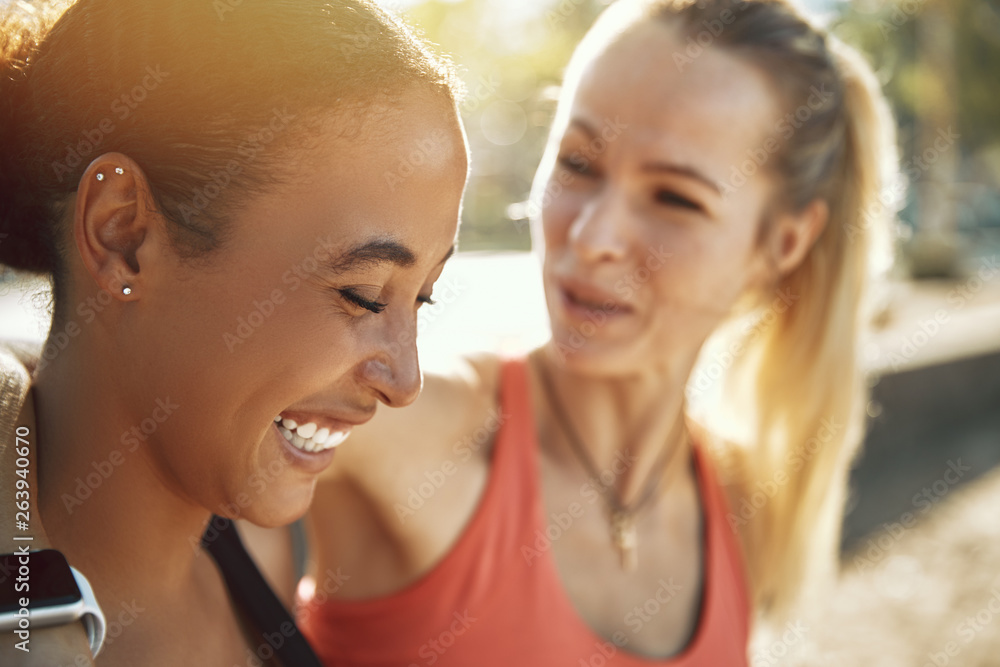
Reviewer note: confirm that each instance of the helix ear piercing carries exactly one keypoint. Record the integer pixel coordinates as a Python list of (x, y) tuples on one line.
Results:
[(118, 170)]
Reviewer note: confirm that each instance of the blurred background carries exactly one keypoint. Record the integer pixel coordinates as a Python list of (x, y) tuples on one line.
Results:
[(925, 592)]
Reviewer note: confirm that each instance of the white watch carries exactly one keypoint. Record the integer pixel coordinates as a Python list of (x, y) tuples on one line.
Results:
[(42, 591), (90, 614)]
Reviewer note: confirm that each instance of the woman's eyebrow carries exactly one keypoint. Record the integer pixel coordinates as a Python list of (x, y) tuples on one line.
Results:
[(372, 253), (682, 170)]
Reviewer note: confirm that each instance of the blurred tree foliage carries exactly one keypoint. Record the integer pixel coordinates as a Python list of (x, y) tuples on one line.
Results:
[(939, 61), (511, 56), (512, 53)]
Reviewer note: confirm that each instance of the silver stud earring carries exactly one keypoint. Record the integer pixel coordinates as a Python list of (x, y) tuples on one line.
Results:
[(119, 171), (126, 290), (100, 176)]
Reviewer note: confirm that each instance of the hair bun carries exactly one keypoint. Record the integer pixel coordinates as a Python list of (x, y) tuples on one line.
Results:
[(24, 243)]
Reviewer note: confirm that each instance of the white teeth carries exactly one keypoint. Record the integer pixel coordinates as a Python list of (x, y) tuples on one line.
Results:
[(336, 438), (277, 420), (308, 437)]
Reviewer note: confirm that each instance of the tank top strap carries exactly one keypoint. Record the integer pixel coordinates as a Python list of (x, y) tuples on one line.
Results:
[(518, 418)]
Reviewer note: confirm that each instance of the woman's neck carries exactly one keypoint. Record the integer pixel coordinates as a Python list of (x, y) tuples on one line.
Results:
[(103, 500), (629, 425)]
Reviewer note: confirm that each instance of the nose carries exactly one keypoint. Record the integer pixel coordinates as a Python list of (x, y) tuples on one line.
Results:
[(598, 233), (393, 371)]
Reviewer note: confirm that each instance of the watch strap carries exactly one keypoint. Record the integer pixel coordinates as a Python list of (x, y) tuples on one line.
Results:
[(92, 617)]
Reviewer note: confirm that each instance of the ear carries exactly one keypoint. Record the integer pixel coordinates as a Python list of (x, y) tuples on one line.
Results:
[(793, 235), (110, 224)]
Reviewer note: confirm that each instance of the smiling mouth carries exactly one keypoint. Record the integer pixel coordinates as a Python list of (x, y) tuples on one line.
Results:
[(582, 302), (590, 299), (310, 436)]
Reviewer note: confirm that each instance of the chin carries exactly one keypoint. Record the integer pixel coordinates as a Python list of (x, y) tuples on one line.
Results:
[(274, 507), (595, 358)]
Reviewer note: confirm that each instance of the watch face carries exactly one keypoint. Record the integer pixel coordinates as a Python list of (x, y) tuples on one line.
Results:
[(43, 577)]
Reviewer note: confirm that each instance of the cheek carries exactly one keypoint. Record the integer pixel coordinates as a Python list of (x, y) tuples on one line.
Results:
[(706, 270), (560, 207)]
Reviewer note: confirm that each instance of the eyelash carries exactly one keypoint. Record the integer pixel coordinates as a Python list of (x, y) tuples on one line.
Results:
[(670, 199), (673, 199), (579, 169), (375, 306), (361, 302)]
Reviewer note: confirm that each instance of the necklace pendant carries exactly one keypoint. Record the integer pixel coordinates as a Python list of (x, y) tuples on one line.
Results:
[(626, 540)]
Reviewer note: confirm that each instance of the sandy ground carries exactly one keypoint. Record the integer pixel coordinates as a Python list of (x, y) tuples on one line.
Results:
[(927, 595)]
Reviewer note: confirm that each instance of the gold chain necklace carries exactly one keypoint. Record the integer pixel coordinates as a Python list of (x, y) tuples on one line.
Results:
[(622, 516)]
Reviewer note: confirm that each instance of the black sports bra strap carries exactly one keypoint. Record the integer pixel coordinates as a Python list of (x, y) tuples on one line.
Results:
[(253, 596)]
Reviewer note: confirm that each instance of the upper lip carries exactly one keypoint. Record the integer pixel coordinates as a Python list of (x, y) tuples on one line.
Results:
[(585, 291), (327, 419)]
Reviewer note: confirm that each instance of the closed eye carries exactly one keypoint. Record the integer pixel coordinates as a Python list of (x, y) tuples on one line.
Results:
[(668, 198), (576, 165), (358, 300)]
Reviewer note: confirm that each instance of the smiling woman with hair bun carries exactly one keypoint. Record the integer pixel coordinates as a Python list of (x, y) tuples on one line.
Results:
[(168, 168)]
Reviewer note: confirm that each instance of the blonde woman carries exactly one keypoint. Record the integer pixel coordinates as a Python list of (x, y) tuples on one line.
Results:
[(709, 164)]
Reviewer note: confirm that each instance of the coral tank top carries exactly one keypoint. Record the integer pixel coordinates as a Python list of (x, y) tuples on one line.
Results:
[(484, 605)]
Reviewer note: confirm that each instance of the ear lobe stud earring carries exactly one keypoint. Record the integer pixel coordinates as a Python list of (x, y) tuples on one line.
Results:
[(126, 290)]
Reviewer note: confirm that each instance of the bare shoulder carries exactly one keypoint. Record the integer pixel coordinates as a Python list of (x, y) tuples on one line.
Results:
[(453, 402), (403, 487)]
